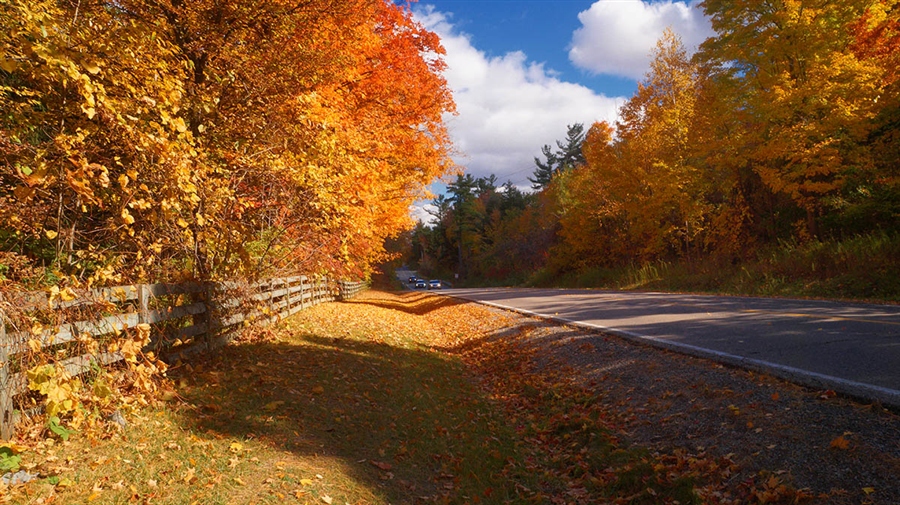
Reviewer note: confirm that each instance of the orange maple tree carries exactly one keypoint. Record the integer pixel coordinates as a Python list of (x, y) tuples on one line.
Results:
[(151, 139)]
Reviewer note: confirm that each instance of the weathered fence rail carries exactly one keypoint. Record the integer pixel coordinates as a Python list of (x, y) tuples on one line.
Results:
[(185, 320)]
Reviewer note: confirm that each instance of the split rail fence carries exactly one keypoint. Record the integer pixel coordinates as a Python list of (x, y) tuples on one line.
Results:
[(185, 320)]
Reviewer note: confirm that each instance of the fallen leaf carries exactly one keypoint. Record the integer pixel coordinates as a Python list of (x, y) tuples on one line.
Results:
[(840, 443), (273, 405), (306, 482), (868, 490), (326, 499), (381, 465), (236, 447), (239, 481), (318, 390)]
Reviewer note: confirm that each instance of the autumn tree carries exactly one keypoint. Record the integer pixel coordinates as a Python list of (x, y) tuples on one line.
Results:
[(216, 137), (522, 237), (784, 127), (92, 142), (592, 230), (875, 203), (806, 100), (646, 181)]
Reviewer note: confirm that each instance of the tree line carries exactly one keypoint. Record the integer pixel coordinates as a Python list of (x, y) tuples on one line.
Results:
[(783, 127), (154, 140)]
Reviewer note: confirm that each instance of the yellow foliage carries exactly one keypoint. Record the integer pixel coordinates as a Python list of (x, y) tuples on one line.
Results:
[(58, 387), (179, 140)]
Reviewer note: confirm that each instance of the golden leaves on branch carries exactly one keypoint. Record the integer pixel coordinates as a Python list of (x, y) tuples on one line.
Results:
[(782, 123), (275, 132)]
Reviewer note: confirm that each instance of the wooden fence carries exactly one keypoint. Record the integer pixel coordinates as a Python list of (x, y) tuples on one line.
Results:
[(185, 320)]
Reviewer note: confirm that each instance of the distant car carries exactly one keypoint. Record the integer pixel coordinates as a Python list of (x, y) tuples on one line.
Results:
[(434, 284), (412, 279), (420, 284)]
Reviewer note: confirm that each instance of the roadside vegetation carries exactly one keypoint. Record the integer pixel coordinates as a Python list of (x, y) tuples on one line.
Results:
[(864, 267), (861, 268)]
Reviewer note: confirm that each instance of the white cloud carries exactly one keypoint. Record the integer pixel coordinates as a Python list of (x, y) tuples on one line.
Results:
[(508, 106), (617, 36)]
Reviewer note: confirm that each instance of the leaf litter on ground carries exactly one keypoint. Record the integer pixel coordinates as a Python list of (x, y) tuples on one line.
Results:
[(416, 398)]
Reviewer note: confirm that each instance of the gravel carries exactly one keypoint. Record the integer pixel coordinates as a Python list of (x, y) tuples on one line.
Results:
[(843, 451)]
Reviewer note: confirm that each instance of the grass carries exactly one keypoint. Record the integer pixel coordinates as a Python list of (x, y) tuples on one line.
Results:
[(388, 399), (337, 406)]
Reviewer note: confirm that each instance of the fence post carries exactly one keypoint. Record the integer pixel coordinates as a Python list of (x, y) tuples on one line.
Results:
[(287, 286), (272, 284), (144, 303), (302, 293), (209, 336), (6, 392)]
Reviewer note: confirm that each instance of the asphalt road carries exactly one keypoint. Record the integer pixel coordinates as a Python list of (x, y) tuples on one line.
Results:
[(852, 349)]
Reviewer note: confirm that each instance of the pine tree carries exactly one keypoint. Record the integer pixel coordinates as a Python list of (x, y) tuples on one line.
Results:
[(567, 156)]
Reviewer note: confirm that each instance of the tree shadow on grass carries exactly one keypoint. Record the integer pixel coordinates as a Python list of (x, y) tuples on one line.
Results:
[(408, 424)]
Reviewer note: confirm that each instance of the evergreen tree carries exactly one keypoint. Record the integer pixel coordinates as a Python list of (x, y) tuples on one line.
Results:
[(544, 171), (567, 156)]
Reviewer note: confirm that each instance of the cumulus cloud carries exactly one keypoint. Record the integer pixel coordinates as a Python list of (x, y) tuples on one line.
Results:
[(508, 107), (617, 36)]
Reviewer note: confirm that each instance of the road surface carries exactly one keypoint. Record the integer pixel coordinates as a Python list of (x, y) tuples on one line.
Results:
[(850, 348)]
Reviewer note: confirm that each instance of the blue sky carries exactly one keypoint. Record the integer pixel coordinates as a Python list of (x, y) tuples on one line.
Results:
[(521, 71), (539, 28)]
